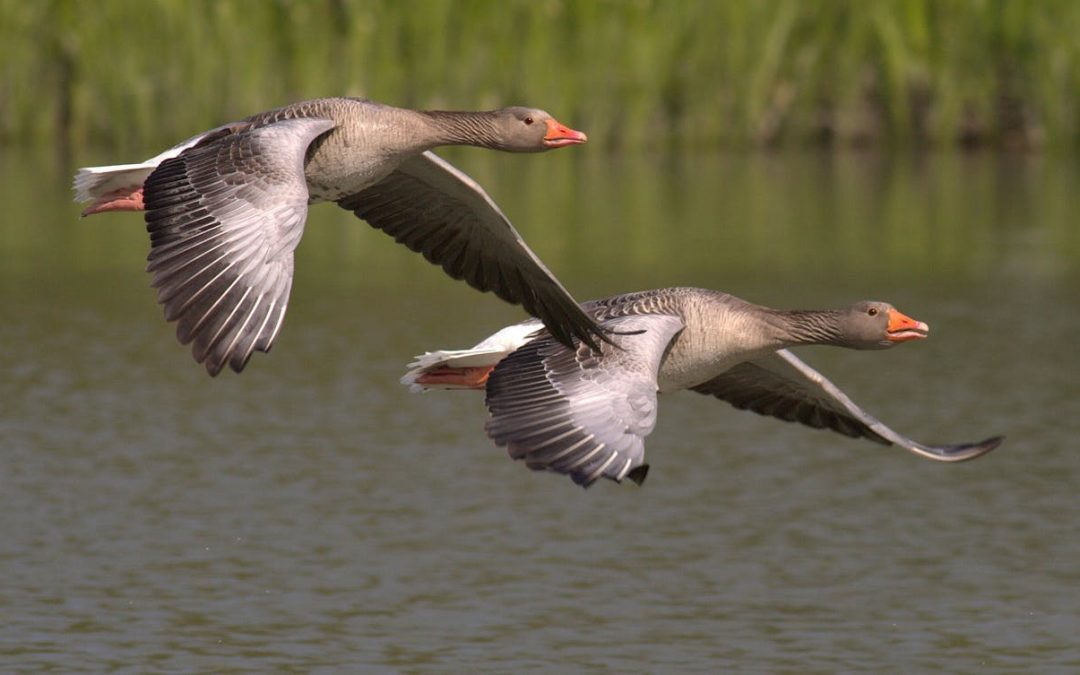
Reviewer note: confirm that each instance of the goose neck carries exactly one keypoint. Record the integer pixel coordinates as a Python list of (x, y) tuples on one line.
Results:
[(806, 327), (454, 127)]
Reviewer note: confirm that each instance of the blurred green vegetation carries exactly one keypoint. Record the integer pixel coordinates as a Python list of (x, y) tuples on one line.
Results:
[(136, 75)]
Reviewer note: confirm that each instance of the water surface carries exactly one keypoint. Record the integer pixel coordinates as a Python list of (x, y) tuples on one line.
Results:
[(311, 513)]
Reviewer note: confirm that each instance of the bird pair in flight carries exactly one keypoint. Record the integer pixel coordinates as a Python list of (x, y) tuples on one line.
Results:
[(573, 391)]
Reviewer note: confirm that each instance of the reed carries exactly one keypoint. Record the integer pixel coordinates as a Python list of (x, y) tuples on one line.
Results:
[(136, 74)]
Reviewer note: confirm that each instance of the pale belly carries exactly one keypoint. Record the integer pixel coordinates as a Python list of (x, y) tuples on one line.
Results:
[(714, 343), (337, 168), (682, 371), (679, 376), (331, 181)]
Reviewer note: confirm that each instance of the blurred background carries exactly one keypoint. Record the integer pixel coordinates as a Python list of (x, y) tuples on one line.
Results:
[(311, 513), (639, 74)]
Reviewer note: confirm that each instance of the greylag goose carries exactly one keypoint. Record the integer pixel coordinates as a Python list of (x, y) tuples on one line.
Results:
[(226, 208), (586, 413)]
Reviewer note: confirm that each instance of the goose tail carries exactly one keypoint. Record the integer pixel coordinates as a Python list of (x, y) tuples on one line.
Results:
[(467, 368)]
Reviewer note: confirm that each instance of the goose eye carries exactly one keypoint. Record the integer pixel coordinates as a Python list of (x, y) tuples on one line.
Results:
[(528, 120), (872, 311)]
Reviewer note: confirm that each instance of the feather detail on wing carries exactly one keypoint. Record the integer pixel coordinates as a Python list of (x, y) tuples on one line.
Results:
[(761, 386), (783, 386), (224, 218), (438, 211), (579, 412)]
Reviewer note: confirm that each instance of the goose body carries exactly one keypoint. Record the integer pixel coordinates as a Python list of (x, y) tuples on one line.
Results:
[(226, 208), (586, 413)]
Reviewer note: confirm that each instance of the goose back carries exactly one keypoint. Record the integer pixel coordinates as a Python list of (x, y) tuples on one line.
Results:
[(368, 142), (720, 331)]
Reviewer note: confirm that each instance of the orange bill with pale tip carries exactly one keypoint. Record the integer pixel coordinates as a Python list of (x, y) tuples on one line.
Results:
[(903, 328), (559, 135)]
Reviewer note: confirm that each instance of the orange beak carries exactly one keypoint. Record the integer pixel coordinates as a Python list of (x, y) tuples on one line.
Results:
[(903, 328), (559, 135)]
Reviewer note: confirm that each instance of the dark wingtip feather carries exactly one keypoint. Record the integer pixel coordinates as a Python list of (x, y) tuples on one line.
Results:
[(212, 367), (971, 451), (638, 474)]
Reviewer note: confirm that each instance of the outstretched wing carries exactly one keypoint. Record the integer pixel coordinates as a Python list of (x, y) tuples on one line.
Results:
[(224, 218), (783, 386), (578, 412), (440, 212)]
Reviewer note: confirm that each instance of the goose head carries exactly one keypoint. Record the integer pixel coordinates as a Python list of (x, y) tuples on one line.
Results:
[(521, 129), (878, 325)]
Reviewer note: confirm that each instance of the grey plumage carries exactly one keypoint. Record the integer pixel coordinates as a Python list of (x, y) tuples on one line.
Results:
[(437, 218), (761, 387), (579, 412), (586, 413), (225, 210), (224, 219)]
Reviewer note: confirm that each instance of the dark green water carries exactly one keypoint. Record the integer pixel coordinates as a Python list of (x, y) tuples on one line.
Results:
[(311, 513)]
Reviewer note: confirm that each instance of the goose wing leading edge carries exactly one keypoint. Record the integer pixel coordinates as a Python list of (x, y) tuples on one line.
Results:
[(782, 385), (579, 413), (224, 218), (438, 211)]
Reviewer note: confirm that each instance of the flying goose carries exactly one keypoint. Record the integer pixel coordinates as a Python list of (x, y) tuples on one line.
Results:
[(586, 412), (226, 208)]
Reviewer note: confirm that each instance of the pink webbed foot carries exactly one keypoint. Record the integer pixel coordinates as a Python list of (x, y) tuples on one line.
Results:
[(464, 378), (124, 199)]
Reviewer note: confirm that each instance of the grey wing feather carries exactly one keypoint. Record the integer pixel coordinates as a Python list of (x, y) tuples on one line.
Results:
[(224, 218), (783, 386), (762, 387), (438, 211), (579, 412)]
